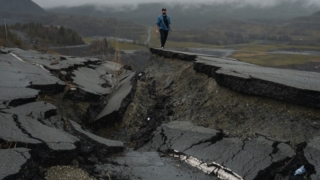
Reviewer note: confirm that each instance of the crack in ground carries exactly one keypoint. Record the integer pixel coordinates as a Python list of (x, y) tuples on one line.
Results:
[(242, 148), (254, 166), (243, 167), (16, 120), (218, 137), (22, 154), (169, 143), (284, 168), (314, 159), (275, 149)]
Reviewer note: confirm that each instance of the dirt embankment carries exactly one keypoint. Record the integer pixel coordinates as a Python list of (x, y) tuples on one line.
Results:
[(170, 89)]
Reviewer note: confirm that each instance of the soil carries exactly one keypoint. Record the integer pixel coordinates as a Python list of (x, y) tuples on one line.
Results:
[(67, 173), (199, 99)]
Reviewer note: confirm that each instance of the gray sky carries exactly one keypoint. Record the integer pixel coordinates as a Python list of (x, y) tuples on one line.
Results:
[(258, 3)]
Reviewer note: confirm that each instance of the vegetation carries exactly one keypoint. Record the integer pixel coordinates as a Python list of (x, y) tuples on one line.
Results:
[(297, 33), (10, 37), (262, 54), (52, 34), (101, 46), (270, 59), (104, 45), (90, 26), (218, 32), (186, 16)]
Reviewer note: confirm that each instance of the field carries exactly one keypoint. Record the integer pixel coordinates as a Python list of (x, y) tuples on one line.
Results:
[(155, 41), (270, 59), (261, 55), (255, 53)]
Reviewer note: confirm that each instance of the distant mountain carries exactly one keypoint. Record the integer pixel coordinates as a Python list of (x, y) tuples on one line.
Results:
[(21, 7), (317, 14), (23, 11), (306, 22), (192, 16)]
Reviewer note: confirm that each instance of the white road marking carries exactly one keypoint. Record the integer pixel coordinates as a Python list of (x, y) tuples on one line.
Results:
[(15, 56), (219, 170), (39, 65)]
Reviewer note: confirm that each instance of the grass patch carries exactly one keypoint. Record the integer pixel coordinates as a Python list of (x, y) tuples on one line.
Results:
[(117, 46), (264, 48), (155, 42), (88, 39), (269, 59), (50, 51), (173, 44), (125, 46)]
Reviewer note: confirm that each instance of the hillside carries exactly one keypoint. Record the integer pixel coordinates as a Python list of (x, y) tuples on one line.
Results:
[(93, 26), (303, 30), (317, 13), (23, 11), (189, 16), (25, 7)]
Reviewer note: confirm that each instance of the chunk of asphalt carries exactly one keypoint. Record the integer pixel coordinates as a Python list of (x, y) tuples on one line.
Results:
[(289, 85), (109, 67), (149, 165), (284, 150), (11, 132), (90, 81), (41, 110), (56, 139), (17, 96), (179, 135), (49, 60), (293, 86), (115, 102), (107, 142), (219, 152), (54, 122), (2, 105), (12, 160), (16, 73), (245, 158)]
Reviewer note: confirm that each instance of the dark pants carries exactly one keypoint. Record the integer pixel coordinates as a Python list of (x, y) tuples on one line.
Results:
[(164, 36)]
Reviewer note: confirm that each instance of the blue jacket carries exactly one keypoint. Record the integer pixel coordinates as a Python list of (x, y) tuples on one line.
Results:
[(161, 23)]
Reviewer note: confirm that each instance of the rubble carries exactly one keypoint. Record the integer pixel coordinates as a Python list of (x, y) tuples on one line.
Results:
[(176, 122), (33, 134)]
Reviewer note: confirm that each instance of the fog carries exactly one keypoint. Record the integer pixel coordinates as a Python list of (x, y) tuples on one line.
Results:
[(256, 3)]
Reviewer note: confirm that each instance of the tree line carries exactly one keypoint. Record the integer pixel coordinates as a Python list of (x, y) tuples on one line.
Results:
[(51, 34), (7, 36), (91, 26)]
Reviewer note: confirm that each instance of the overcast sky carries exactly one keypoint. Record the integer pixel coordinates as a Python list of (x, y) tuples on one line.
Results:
[(259, 3)]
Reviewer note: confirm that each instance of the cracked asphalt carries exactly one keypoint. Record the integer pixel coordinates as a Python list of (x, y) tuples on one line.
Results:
[(175, 122)]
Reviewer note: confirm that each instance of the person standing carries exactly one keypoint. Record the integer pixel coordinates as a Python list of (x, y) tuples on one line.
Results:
[(163, 26)]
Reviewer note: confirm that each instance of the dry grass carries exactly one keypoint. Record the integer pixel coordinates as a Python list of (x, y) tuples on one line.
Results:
[(10, 145), (53, 52), (254, 47), (125, 46), (155, 42), (270, 59)]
